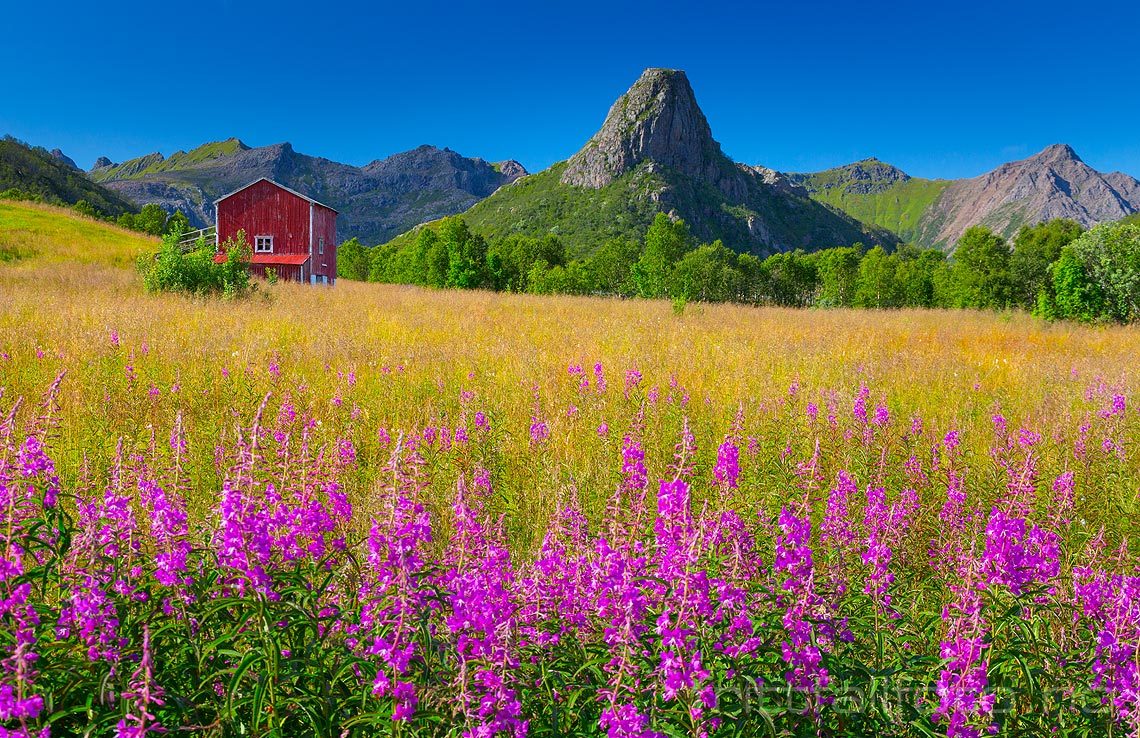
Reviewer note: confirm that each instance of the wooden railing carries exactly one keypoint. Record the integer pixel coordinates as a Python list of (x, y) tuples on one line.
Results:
[(209, 233)]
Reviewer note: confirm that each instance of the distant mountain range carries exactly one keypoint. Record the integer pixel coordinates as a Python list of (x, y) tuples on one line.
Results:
[(376, 201), (654, 153), (936, 212)]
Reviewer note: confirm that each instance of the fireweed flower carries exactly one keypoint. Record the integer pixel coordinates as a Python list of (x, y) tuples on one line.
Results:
[(101, 563), (1111, 605), (727, 470), (632, 380), (142, 695), (859, 409), (793, 565), (392, 597), (963, 701), (27, 487), (837, 531), (479, 582), (1015, 557)]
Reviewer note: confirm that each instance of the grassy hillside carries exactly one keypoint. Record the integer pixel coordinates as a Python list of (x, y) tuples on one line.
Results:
[(32, 234), (33, 172), (875, 192), (898, 208)]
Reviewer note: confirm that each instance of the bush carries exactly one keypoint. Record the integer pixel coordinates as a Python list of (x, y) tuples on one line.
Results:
[(194, 271)]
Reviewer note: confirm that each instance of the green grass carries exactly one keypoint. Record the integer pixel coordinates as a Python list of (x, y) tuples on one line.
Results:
[(43, 234)]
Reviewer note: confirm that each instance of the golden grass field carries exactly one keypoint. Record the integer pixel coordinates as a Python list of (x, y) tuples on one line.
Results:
[(411, 352)]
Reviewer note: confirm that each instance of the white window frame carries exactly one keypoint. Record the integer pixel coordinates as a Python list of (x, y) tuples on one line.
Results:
[(263, 244), (321, 245)]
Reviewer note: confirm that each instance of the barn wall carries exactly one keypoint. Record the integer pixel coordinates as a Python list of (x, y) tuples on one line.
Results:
[(285, 272), (264, 209), (324, 224)]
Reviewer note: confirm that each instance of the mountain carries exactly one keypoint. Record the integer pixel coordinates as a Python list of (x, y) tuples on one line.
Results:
[(1055, 183), (54, 178), (376, 201), (655, 153), (875, 192)]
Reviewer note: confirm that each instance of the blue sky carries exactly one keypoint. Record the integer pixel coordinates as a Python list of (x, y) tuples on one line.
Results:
[(946, 89)]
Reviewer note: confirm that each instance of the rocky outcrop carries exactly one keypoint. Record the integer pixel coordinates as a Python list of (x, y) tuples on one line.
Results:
[(658, 119), (102, 163), (1055, 183), (64, 159), (376, 202)]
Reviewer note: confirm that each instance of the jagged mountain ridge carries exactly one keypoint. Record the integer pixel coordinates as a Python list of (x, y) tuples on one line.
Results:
[(376, 201), (1054, 183), (655, 153)]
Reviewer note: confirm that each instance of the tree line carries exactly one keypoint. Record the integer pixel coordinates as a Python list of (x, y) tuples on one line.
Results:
[(1054, 269)]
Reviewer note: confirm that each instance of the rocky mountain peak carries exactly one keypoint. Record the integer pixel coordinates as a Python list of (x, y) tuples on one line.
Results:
[(657, 119), (64, 159), (102, 162), (1057, 153), (511, 169)]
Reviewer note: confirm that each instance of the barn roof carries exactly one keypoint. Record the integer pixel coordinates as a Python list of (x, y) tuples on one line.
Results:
[(276, 184), (271, 259)]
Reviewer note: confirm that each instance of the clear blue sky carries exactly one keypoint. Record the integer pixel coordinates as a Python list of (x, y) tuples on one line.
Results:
[(940, 89)]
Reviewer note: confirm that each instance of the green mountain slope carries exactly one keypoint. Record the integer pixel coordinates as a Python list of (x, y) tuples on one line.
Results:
[(33, 172), (875, 192)]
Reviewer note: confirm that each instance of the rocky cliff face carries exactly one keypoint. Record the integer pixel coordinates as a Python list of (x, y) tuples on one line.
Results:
[(1055, 183), (376, 202), (658, 119)]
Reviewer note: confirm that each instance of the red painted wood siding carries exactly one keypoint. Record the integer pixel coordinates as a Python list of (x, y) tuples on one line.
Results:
[(324, 226), (285, 272), (264, 209)]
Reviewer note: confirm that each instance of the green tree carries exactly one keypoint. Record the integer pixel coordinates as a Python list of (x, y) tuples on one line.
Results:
[(87, 209), (466, 255), (510, 260), (708, 274), (177, 223), (1110, 256), (915, 274), (877, 284), (558, 279), (1035, 248), (838, 271), (980, 271), (790, 279), (151, 219), (611, 267), (352, 260), (666, 242), (1074, 295)]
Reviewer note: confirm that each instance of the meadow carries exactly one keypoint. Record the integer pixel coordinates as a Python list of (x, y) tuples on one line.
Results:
[(377, 509)]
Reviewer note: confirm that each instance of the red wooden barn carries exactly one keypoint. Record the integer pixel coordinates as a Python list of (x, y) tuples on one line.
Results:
[(293, 234)]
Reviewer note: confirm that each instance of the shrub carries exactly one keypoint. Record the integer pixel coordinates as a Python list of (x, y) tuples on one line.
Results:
[(176, 269)]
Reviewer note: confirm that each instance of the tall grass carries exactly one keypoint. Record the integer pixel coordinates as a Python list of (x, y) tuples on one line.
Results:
[(538, 397)]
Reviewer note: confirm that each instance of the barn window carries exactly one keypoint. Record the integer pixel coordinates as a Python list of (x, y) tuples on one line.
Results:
[(263, 244), (321, 245)]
